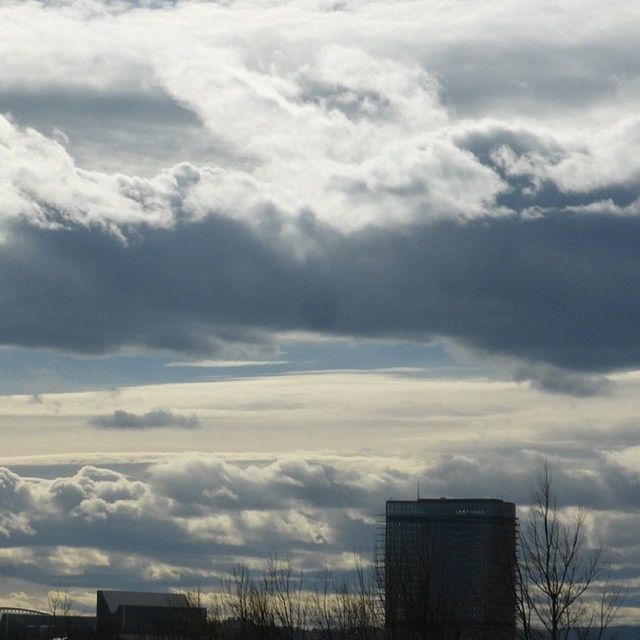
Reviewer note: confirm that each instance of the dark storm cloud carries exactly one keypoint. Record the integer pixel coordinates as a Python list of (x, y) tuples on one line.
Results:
[(151, 420), (560, 288)]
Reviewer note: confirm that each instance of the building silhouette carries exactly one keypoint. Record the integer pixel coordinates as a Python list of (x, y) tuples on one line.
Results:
[(135, 615), (120, 615), (449, 569), (24, 624)]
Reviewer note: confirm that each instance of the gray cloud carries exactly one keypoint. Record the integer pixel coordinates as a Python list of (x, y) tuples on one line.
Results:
[(118, 131), (558, 288), (189, 517), (346, 196), (556, 380), (157, 418), (195, 515)]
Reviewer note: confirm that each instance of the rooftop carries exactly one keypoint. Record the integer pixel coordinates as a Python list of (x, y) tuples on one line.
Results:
[(115, 599)]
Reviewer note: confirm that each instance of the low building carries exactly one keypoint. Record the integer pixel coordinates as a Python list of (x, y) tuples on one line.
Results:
[(135, 615), (23, 624)]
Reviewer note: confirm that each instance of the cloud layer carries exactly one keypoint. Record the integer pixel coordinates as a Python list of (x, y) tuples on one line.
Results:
[(557, 288), (187, 519), (352, 177)]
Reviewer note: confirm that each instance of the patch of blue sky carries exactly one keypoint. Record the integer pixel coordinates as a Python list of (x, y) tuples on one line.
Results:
[(33, 371)]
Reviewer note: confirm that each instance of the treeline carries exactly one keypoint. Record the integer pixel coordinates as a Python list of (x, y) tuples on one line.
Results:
[(279, 604)]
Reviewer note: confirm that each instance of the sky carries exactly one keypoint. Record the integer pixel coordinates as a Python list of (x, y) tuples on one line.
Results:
[(265, 264)]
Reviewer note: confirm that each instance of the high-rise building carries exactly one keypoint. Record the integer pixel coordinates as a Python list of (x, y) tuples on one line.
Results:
[(449, 569)]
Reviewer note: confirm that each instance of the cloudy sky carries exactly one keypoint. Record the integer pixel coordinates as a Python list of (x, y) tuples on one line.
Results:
[(265, 264)]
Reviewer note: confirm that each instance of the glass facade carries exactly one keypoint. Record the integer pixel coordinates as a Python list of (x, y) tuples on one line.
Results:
[(449, 569)]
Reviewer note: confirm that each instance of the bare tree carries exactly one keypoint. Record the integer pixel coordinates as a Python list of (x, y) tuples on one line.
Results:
[(348, 609), (563, 588), (239, 590), (278, 605), (200, 619), (59, 602)]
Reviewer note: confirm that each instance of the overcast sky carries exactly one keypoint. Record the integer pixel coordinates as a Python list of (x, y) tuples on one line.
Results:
[(266, 264)]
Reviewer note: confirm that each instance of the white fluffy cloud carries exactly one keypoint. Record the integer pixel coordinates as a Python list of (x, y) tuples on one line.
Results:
[(87, 522), (349, 112), (187, 518), (40, 182)]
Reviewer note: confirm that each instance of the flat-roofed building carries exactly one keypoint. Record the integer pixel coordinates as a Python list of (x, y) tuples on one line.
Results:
[(131, 615), (449, 569)]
